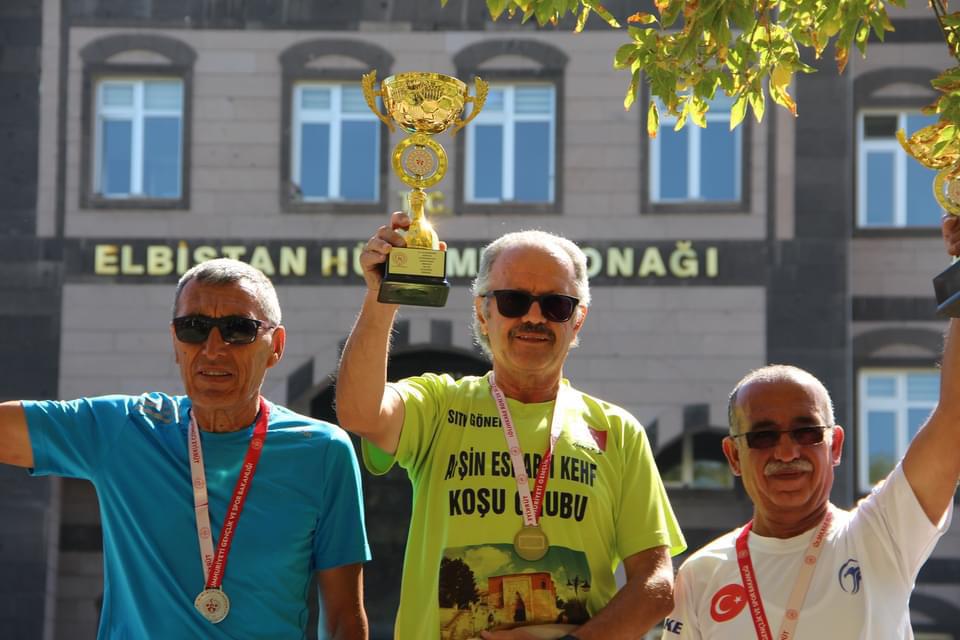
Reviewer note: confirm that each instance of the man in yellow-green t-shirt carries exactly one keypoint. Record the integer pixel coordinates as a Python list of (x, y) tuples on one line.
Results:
[(527, 493)]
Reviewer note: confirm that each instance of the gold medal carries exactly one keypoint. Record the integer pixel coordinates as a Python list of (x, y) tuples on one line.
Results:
[(213, 604), (531, 543)]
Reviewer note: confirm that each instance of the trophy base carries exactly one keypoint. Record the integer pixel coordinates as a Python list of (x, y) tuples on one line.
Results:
[(416, 291), (947, 287)]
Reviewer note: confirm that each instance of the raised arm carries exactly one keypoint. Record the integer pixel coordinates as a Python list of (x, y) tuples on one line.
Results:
[(15, 446), (365, 406), (932, 464)]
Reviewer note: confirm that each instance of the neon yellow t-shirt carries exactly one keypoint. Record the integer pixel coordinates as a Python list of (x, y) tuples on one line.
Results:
[(604, 501)]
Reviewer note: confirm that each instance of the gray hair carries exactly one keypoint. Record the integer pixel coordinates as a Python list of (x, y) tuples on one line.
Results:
[(226, 271), (529, 238), (777, 373)]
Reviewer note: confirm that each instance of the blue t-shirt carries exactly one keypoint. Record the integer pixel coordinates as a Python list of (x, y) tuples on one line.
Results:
[(303, 512)]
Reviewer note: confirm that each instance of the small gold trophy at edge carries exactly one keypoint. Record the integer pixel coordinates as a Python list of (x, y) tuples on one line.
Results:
[(422, 104)]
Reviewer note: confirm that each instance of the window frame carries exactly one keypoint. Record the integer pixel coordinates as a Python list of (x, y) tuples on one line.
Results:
[(651, 206), (688, 462), (97, 67), (336, 119), (900, 160), (304, 63), (136, 114), (508, 120), (899, 404)]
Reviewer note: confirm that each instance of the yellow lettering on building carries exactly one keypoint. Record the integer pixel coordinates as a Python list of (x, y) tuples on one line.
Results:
[(233, 251), (183, 257), (594, 261), (127, 265), (261, 260), (462, 263), (293, 261), (330, 261), (105, 260), (203, 253), (652, 263), (620, 262), (159, 260)]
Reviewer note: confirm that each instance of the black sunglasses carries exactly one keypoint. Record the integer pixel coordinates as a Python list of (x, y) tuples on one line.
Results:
[(233, 329), (513, 303), (769, 438)]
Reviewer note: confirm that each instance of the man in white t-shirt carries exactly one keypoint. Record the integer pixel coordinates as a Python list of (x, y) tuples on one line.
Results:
[(803, 569)]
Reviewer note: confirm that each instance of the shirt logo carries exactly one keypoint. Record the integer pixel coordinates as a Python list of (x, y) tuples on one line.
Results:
[(850, 576), (728, 602), (600, 437)]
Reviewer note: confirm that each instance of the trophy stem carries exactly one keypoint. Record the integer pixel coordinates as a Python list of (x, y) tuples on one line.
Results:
[(420, 234)]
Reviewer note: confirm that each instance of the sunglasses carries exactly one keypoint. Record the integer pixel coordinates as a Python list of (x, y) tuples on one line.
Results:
[(769, 438), (555, 307), (233, 329)]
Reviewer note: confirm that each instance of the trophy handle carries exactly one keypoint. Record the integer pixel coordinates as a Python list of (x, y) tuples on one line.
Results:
[(943, 199), (367, 82), (480, 89)]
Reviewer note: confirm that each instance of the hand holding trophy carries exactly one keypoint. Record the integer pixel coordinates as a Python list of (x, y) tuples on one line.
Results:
[(422, 104), (946, 284)]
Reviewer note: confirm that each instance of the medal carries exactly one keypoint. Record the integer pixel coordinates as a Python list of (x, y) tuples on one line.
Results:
[(531, 543), (213, 604)]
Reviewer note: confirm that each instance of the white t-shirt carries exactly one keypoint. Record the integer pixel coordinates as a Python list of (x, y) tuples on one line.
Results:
[(860, 588)]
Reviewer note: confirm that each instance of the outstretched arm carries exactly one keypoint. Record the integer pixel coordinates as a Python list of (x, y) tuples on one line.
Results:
[(640, 605), (932, 464), (15, 446), (365, 406)]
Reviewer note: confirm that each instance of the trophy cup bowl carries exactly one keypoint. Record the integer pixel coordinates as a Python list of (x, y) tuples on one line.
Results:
[(422, 104), (946, 284)]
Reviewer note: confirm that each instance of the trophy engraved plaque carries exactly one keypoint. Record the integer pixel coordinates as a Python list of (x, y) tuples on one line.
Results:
[(423, 104), (946, 284)]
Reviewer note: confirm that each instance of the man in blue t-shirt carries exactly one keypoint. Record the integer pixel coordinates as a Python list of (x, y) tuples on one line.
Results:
[(218, 506)]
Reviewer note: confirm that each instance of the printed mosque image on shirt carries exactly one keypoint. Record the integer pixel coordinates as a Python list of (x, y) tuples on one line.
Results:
[(489, 587)]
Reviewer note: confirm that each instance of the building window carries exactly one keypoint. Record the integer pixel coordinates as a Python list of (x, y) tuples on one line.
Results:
[(138, 140), (335, 144), (511, 146), (694, 164), (696, 461), (894, 189), (894, 404)]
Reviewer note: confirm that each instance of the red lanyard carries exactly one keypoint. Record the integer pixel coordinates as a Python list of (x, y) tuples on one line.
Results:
[(214, 566), (531, 504), (791, 615)]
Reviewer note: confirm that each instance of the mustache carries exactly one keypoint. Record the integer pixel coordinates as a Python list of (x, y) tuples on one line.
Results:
[(530, 327), (794, 466)]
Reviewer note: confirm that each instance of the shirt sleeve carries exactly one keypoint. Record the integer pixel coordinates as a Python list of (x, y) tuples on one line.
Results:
[(341, 531), (645, 517), (681, 624), (423, 404), (71, 438), (894, 513)]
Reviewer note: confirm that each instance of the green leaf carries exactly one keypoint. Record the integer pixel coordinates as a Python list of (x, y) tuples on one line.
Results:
[(632, 90), (582, 20), (653, 119), (738, 111), (496, 7), (624, 56), (757, 103)]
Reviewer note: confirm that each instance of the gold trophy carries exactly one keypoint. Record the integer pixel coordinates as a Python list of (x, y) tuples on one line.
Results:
[(422, 104), (946, 284)]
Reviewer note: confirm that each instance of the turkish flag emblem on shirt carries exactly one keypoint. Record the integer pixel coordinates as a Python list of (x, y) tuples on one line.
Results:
[(728, 602), (600, 437)]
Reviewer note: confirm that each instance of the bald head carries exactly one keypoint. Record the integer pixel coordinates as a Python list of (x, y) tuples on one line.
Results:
[(779, 373)]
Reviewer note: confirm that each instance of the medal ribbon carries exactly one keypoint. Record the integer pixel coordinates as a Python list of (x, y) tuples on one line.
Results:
[(214, 565), (531, 505), (792, 614)]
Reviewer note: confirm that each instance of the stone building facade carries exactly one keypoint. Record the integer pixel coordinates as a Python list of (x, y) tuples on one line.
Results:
[(142, 136)]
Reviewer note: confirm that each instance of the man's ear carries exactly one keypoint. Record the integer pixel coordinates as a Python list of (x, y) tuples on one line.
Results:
[(836, 445), (732, 452), (478, 303), (279, 342), (578, 324)]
